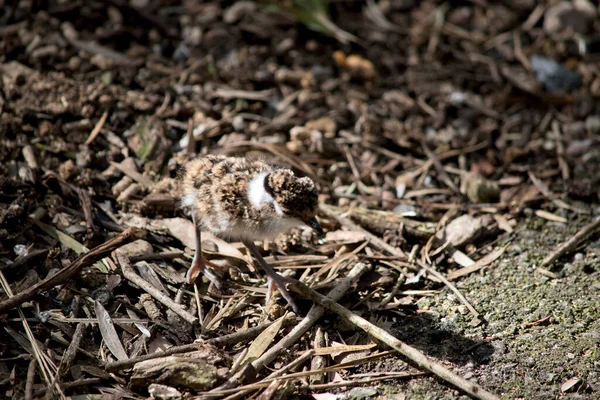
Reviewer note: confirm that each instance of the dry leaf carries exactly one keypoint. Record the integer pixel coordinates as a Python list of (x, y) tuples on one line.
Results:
[(461, 230), (550, 217), (262, 342), (109, 333), (569, 384)]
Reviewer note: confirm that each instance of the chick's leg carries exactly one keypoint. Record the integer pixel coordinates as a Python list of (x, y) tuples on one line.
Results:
[(274, 276), (199, 263)]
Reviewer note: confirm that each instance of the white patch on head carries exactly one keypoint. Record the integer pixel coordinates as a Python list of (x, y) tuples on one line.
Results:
[(187, 200), (258, 196)]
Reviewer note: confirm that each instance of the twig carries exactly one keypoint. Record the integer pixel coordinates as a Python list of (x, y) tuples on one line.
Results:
[(295, 375), (354, 227), (573, 242), (396, 252), (133, 174), (543, 188), (408, 351), (364, 381), (169, 255), (67, 358), (86, 204), (313, 315), (22, 262), (73, 385), (130, 274), (97, 128), (31, 374), (89, 258), (440, 168), (277, 373), (237, 337), (190, 149), (450, 286)]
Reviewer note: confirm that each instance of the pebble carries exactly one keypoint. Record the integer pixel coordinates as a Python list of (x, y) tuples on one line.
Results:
[(237, 11), (578, 15), (592, 124), (137, 248)]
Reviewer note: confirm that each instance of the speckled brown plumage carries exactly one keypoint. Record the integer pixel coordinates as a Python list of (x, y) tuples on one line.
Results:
[(217, 187), (242, 199)]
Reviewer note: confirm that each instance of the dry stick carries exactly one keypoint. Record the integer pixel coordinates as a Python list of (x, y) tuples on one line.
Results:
[(397, 252), (21, 263), (168, 255), (86, 204), (31, 374), (311, 318), (67, 358), (237, 337), (97, 128), (295, 375), (73, 385), (89, 258), (364, 381), (130, 274), (440, 168), (408, 351), (451, 286), (572, 243), (352, 226), (277, 373)]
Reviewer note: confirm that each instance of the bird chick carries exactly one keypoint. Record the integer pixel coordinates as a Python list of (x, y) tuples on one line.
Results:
[(245, 200)]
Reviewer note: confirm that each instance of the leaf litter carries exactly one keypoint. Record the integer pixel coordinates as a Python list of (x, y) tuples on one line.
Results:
[(416, 121)]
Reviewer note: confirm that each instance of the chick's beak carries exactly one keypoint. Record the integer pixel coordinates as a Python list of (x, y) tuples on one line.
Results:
[(314, 224)]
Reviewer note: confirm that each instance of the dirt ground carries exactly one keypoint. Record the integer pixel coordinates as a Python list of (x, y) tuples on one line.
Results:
[(438, 133)]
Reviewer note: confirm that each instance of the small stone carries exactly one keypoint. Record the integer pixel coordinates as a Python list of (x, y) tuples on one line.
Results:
[(361, 393), (237, 11), (592, 124), (555, 77), (20, 250), (578, 15), (163, 392), (478, 189), (137, 248), (323, 124)]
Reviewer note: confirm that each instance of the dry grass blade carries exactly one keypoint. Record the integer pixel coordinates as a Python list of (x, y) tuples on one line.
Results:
[(67, 241), (31, 344), (97, 128), (109, 333), (63, 238), (446, 282), (244, 390), (300, 329), (322, 351), (366, 381), (233, 338), (130, 274), (133, 174), (482, 262), (572, 242), (83, 260), (262, 342)]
